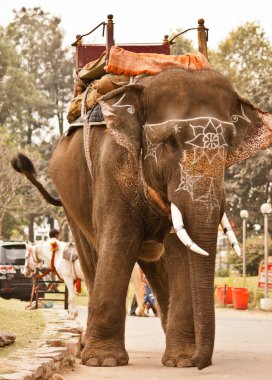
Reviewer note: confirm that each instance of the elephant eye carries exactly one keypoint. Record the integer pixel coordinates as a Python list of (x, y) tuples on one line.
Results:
[(230, 135), (171, 143)]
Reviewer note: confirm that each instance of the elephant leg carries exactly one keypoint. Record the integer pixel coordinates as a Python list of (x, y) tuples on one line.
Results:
[(105, 343), (156, 274), (88, 262), (180, 335)]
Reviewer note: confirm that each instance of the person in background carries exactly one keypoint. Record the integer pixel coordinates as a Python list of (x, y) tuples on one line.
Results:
[(54, 233), (143, 300)]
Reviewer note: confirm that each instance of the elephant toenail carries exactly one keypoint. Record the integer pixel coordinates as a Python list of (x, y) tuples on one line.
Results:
[(92, 362), (169, 363), (109, 362), (185, 362), (123, 361)]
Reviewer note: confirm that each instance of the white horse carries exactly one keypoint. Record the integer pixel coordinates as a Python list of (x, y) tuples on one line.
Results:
[(50, 253)]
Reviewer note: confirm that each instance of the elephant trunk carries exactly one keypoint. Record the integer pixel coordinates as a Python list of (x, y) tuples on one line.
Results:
[(203, 228)]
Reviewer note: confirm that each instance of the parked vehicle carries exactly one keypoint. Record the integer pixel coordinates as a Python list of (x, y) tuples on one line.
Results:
[(13, 283)]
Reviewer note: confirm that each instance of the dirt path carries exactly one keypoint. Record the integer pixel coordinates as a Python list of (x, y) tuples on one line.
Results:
[(243, 350)]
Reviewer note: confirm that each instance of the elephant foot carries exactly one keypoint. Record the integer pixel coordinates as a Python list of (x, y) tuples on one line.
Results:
[(179, 358), (95, 357), (180, 362)]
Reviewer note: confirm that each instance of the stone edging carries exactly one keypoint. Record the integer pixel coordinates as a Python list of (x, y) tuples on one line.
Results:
[(57, 348)]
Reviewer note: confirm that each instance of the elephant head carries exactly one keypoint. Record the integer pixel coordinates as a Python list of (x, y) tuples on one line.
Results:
[(184, 128), (187, 127)]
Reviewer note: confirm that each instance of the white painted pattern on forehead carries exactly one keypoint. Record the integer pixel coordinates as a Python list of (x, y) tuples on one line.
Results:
[(234, 119), (208, 141), (151, 149), (174, 121)]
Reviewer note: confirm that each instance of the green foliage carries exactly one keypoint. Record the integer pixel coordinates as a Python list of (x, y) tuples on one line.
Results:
[(25, 108), (30, 324), (36, 84), (222, 272), (13, 226), (254, 255), (245, 57), (7, 55), (248, 185), (43, 75)]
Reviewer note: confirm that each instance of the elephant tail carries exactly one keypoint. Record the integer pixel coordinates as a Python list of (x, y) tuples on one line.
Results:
[(22, 164)]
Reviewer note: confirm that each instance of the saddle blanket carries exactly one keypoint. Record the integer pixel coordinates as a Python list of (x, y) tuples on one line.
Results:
[(128, 63)]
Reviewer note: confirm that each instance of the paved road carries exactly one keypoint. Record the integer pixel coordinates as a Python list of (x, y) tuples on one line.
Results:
[(243, 350)]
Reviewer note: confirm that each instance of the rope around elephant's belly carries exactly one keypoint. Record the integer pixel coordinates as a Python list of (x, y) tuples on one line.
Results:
[(86, 131)]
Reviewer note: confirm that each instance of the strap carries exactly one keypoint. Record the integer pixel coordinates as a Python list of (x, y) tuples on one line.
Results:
[(53, 265), (226, 229), (178, 228)]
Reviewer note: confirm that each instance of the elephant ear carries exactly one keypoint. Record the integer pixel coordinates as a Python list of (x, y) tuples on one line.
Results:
[(122, 110), (253, 131)]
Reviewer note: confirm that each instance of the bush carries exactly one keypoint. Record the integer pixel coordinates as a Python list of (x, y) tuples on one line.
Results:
[(254, 255), (222, 273)]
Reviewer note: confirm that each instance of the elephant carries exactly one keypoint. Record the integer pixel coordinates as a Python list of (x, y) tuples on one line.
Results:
[(149, 188)]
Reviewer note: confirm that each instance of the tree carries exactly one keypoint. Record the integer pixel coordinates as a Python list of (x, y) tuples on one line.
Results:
[(7, 56), (35, 86), (8, 183), (245, 57), (25, 108), (27, 204), (37, 38), (59, 81)]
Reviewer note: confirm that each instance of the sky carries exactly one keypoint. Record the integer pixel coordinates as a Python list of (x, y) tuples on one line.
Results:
[(143, 21)]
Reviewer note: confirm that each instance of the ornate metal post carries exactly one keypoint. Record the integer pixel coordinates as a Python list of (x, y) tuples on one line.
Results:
[(109, 36), (202, 37)]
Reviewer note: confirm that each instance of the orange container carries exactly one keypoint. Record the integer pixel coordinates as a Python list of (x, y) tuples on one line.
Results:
[(240, 298), (224, 295)]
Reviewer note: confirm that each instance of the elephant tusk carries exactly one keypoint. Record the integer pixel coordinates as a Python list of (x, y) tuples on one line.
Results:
[(230, 234), (181, 231)]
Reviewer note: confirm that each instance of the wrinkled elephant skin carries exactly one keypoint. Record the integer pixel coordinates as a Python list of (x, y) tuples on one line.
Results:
[(167, 139)]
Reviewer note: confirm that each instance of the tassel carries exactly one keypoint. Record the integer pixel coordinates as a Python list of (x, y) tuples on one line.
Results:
[(77, 283)]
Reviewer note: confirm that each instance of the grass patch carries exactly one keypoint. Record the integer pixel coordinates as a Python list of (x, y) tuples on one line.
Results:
[(82, 298), (234, 281), (27, 325)]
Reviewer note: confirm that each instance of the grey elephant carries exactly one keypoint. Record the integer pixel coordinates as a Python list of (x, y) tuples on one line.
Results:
[(158, 161)]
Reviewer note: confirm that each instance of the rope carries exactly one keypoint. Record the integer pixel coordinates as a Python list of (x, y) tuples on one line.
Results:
[(86, 130)]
